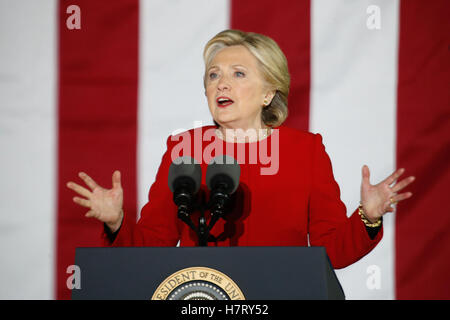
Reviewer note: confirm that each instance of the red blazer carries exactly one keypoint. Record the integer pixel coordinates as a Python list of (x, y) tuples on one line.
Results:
[(299, 198)]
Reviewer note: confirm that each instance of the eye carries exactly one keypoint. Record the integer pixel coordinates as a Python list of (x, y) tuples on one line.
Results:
[(212, 75), (240, 74)]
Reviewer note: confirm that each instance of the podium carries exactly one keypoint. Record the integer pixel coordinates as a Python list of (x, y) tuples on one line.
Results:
[(206, 273)]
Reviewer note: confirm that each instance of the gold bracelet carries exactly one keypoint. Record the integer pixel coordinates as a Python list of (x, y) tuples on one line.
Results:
[(366, 221)]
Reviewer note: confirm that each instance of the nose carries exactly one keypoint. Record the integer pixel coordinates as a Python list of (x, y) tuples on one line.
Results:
[(223, 84)]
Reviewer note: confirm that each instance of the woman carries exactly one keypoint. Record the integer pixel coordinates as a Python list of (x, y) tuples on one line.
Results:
[(246, 84)]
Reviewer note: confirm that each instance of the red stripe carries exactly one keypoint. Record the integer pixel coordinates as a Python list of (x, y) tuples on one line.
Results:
[(423, 222), (289, 26), (98, 81)]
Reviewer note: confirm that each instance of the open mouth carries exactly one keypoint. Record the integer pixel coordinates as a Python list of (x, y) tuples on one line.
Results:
[(224, 101)]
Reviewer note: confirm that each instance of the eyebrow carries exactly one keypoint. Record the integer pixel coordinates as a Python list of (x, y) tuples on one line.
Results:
[(234, 66)]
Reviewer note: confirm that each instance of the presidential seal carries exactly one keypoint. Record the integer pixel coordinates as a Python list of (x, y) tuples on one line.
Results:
[(198, 283)]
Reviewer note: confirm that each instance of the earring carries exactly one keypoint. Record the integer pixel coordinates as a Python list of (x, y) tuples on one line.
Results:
[(266, 102)]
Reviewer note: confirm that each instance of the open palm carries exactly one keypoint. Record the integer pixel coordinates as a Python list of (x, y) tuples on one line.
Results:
[(378, 199), (104, 204)]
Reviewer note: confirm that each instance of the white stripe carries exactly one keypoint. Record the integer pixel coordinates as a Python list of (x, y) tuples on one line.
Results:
[(353, 105), (27, 144), (171, 94)]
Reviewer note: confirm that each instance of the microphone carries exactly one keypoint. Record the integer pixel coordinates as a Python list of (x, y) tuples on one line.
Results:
[(184, 179), (222, 178)]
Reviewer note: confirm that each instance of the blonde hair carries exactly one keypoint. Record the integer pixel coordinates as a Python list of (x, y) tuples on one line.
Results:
[(273, 65)]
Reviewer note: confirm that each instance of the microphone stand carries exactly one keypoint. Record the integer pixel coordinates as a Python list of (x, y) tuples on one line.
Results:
[(202, 230), (216, 205), (220, 199), (183, 215)]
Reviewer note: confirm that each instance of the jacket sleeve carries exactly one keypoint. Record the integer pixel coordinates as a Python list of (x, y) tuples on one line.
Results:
[(158, 224), (346, 240)]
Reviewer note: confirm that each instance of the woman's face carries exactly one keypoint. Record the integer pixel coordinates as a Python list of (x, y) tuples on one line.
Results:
[(234, 75)]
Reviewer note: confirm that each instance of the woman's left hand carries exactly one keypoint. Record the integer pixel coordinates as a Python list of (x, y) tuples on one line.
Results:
[(378, 199)]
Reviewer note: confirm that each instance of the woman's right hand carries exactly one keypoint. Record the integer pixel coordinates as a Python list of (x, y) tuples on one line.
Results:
[(104, 204)]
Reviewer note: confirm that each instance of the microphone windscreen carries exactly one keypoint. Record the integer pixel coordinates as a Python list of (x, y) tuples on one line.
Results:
[(225, 169), (185, 169)]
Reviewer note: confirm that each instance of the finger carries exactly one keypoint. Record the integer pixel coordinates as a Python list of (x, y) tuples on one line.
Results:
[(116, 180), (365, 174), (88, 180), (394, 176), (90, 214), (402, 184), (79, 189), (82, 202), (401, 196)]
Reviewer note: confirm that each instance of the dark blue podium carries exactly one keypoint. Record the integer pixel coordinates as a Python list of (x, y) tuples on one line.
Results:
[(206, 273)]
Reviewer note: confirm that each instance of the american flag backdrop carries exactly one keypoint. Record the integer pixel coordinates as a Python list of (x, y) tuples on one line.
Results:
[(96, 85)]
